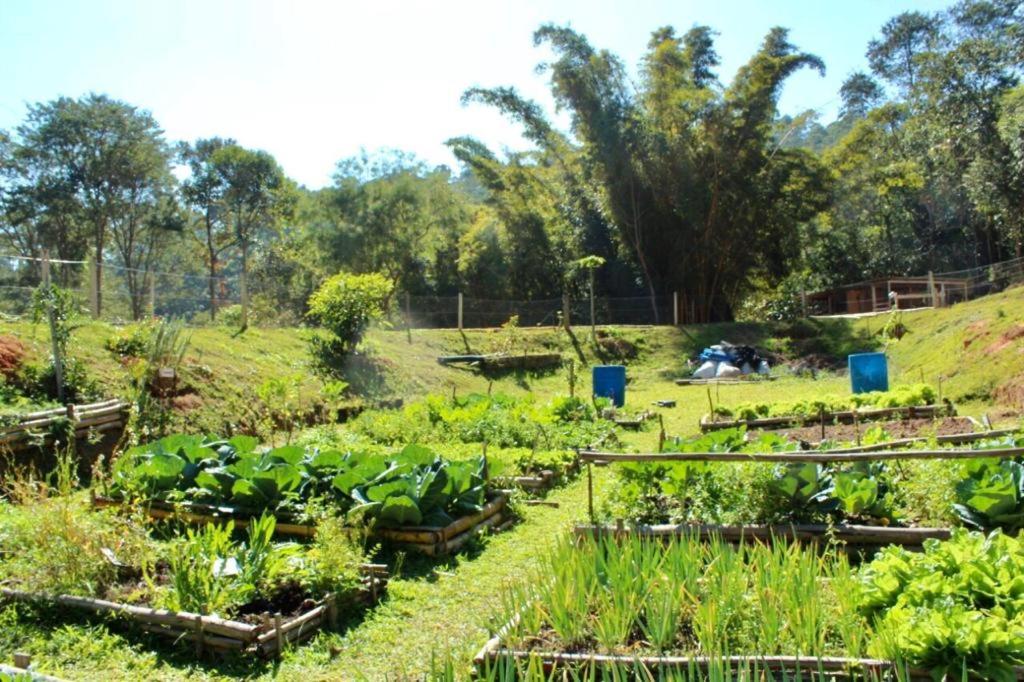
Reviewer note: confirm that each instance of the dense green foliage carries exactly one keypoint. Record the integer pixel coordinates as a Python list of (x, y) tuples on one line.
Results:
[(497, 420), (411, 487)]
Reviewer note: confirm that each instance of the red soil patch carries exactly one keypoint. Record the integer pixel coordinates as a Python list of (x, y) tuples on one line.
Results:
[(186, 402), (1011, 392), (975, 331), (1006, 339), (12, 353)]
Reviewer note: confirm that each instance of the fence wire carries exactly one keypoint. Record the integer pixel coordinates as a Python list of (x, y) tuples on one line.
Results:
[(443, 311)]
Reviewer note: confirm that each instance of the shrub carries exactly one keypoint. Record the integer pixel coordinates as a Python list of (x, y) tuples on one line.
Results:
[(130, 341), (345, 305)]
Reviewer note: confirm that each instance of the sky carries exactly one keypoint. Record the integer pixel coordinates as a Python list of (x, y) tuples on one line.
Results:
[(313, 82)]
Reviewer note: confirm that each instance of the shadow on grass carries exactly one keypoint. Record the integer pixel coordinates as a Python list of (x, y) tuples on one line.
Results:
[(829, 341)]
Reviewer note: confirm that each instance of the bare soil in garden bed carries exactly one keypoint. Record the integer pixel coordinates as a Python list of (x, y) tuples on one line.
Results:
[(902, 428)]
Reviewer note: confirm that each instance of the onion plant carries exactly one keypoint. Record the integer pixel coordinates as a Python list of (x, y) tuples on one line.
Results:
[(684, 597)]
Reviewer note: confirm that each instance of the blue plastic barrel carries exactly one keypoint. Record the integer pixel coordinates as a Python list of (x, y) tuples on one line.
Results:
[(868, 372), (610, 382)]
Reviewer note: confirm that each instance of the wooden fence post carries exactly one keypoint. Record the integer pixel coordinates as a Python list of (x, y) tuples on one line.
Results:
[(593, 323), (675, 308), (94, 299), (931, 289), (58, 363), (460, 311), (408, 317)]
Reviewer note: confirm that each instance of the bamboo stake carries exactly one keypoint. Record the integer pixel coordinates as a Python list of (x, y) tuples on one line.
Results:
[(822, 457)]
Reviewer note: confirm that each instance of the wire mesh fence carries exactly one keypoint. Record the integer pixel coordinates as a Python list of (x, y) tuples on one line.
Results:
[(470, 312), (124, 294)]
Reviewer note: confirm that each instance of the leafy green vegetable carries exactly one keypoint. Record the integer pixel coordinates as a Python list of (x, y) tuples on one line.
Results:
[(957, 607), (992, 495), (900, 396), (413, 486)]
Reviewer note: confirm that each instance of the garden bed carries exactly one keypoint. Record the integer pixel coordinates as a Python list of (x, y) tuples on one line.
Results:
[(269, 636), (628, 608), (831, 417), (894, 429), (430, 540)]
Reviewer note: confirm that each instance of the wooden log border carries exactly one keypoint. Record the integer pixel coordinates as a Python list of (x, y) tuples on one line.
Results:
[(851, 535), (430, 540), (211, 633), (843, 417)]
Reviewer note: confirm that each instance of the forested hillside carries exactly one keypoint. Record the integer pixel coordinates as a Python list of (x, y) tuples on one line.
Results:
[(679, 177)]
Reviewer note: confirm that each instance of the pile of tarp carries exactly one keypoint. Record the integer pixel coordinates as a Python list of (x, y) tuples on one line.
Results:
[(724, 360)]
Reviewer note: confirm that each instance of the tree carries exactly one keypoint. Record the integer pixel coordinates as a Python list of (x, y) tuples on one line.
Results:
[(103, 157), (896, 56), (689, 176), (860, 93), (389, 213), (256, 196), (204, 191)]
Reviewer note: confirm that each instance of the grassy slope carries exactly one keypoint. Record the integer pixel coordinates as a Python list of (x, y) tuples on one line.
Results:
[(431, 613), (977, 348)]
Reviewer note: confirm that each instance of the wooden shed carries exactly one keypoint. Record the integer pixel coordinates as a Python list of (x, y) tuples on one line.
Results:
[(873, 295)]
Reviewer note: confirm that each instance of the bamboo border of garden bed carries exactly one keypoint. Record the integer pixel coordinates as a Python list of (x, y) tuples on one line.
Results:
[(725, 381), (430, 540), (849, 534), (24, 673), (843, 417), (824, 457), (96, 417), (493, 653), (212, 633)]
